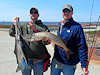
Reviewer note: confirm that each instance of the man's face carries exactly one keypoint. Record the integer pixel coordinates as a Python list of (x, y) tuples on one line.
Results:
[(67, 15), (34, 16)]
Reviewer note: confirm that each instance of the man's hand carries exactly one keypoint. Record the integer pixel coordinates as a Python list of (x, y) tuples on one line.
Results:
[(53, 44), (47, 40), (15, 20)]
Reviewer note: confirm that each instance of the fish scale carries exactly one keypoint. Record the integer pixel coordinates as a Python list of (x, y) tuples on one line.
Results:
[(49, 36)]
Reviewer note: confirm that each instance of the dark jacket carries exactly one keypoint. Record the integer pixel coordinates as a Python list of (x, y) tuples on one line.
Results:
[(73, 35), (35, 50)]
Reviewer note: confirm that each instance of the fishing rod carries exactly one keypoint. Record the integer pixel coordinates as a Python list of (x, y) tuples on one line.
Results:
[(93, 46), (93, 43)]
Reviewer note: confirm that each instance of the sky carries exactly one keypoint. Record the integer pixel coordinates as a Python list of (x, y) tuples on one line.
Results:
[(49, 10)]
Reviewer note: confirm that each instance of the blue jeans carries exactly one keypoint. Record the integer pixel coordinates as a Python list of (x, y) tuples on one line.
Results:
[(57, 68), (36, 67)]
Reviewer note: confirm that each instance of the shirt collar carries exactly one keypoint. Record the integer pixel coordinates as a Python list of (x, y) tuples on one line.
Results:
[(69, 23)]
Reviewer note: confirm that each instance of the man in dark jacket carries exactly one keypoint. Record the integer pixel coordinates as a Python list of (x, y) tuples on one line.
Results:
[(72, 34), (35, 53)]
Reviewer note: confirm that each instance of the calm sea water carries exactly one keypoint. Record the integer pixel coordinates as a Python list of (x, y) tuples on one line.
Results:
[(46, 23)]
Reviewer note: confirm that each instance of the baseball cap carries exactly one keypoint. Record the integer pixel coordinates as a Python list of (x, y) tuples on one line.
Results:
[(34, 10), (67, 8)]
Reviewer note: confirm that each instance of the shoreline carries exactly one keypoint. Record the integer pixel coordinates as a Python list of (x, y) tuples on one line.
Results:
[(5, 26)]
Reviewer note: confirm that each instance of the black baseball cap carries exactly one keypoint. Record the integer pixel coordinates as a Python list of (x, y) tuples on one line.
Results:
[(34, 10)]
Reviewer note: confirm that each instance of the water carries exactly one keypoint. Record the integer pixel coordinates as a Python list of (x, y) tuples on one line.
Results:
[(52, 23), (5, 23), (46, 23)]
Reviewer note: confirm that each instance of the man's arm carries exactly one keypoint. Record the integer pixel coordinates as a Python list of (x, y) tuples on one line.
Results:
[(82, 47), (43, 28), (47, 41), (12, 31)]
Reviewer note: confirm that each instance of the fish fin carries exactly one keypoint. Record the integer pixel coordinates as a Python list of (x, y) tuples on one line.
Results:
[(19, 67)]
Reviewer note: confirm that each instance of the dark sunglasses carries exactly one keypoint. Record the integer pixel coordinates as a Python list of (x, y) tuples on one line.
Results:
[(34, 12), (66, 10)]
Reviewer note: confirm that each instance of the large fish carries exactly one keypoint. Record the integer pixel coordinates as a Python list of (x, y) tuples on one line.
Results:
[(19, 51), (20, 55), (49, 36)]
